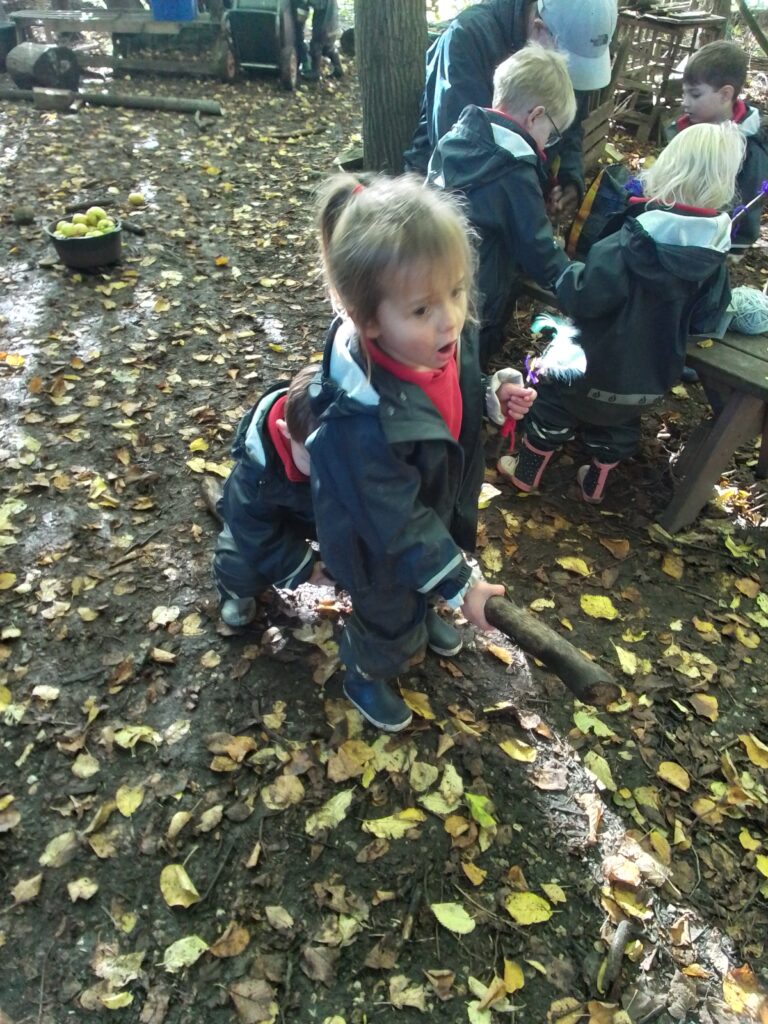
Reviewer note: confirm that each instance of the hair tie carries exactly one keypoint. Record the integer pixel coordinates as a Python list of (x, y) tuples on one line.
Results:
[(358, 188)]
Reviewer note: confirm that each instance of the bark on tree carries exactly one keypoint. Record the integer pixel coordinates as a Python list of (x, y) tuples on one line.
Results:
[(53, 67), (390, 40)]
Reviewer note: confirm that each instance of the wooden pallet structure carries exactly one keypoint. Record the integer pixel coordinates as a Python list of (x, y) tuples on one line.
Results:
[(656, 41)]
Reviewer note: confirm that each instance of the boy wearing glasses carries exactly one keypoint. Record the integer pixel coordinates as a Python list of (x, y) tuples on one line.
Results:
[(497, 158)]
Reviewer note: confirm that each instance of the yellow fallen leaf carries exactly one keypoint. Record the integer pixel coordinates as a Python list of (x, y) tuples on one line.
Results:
[(757, 751), (418, 703), (161, 306), (7, 580), (527, 908), (674, 774), (82, 889), (395, 826), (628, 661), (514, 979), (177, 887), (518, 750), (183, 953), (575, 565), (231, 942), (330, 814), (453, 917), (696, 971), (129, 736), (116, 1000), (60, 850), (673, 566), (492, 558), (618, 548), (475, 874), (501, 653), (748, 841), (198, 445), (285, 791), (705, 704), (744, 994), (554, 892), (480, 808), (761, 863), (27, 889), (749, 588), (597, 606), (129, 799)]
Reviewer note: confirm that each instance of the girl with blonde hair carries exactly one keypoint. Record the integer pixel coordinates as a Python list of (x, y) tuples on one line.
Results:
[(635, 301)]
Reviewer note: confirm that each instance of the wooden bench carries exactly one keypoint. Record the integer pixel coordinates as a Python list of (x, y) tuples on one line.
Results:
[(736, 370)]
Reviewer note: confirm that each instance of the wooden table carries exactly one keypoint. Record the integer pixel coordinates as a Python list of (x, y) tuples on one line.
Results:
[(121, 23), (736, 371)]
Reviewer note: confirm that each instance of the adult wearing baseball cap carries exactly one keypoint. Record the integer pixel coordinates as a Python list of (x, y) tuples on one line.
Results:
[(461, 63)]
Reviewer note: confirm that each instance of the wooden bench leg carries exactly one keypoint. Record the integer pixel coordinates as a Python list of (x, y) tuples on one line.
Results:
[(740, 420), (761, 472)]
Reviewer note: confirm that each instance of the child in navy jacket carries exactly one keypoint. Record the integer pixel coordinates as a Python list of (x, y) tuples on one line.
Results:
[(635, 301), (712, 83), (397, 460), (266, 506), (497, 159)]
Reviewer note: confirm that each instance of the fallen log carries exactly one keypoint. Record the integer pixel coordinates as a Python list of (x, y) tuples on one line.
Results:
[(584, 678), (141, 102), (53, 67)]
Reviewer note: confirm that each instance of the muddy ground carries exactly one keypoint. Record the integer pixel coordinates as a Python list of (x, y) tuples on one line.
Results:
[(191, 818)]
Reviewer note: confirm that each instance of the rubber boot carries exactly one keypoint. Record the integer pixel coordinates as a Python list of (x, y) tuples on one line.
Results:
[(592, 479), (531, 464)]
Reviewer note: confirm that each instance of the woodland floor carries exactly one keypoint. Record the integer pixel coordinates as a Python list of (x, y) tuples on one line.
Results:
[(150, 758)]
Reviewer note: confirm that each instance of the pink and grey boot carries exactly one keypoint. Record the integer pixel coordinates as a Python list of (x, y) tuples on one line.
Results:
[(531, 463), (592, 479)]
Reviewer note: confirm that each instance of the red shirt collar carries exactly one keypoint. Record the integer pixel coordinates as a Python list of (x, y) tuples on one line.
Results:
[(738, 114)]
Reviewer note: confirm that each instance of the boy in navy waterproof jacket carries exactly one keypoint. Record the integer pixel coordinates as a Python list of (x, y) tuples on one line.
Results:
[(496, 158), (712, 83), (635, 301), (462, 61), (266, 506)]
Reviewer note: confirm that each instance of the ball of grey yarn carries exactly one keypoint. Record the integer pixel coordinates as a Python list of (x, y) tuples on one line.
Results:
[(750, 310)]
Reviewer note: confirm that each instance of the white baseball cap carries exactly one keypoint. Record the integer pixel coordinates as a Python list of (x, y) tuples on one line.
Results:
[(582, 30)]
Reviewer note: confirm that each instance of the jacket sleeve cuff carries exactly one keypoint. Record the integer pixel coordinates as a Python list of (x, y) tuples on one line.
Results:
[(474, 577), (492, 404), (453, 588)]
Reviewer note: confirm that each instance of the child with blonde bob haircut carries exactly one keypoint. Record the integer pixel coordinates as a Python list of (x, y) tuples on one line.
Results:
[(397, 462), (497, 159), (635, 302)]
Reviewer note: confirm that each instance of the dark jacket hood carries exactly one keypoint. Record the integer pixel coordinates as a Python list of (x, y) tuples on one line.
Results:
[(481, 147), (665, 244)]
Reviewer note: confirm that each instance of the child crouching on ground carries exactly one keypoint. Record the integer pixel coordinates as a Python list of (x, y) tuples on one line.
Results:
[(266, 506), (635, 301), (397, 462)]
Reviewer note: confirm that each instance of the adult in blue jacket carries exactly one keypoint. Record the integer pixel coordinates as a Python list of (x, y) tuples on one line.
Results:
[(461, 63)]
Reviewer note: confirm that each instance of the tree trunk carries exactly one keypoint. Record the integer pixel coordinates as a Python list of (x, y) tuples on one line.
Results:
[(584, 678), (390, 40), (53, 67)]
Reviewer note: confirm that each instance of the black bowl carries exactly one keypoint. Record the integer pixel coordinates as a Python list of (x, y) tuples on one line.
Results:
[(86, 253)]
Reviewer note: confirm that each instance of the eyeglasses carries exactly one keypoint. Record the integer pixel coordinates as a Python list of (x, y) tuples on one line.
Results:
[(555, 135)]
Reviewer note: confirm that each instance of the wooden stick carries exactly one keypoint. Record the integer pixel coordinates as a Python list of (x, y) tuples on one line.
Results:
[(584, 678)]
